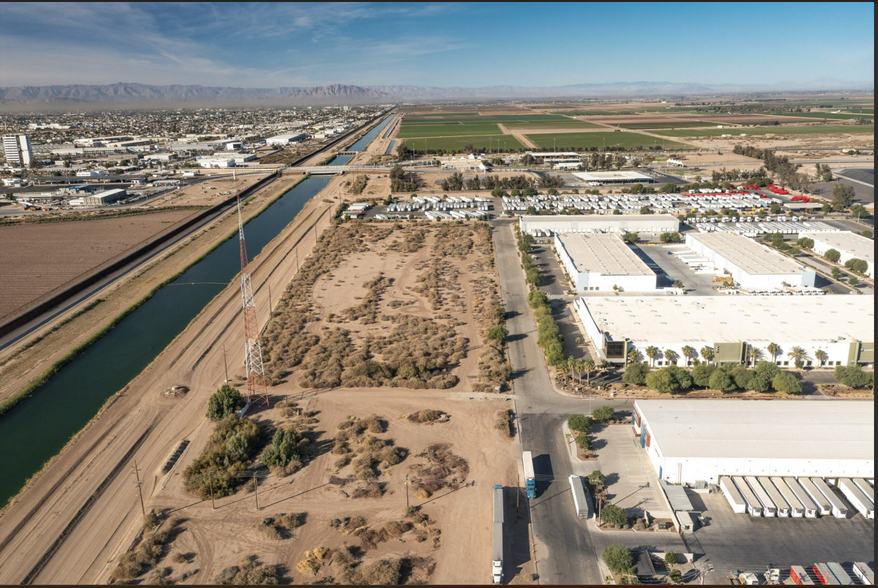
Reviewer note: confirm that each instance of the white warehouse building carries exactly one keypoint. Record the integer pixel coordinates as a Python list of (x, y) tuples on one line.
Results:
[(599, 223), (848, 244), (286, 138), (692, 441), (603, 262), (841, 326), (752, 265)]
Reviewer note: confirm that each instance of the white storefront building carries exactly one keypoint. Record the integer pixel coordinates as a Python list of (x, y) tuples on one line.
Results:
[(841, 326), (848, 244), (752, 265), (603, 262), (692, 441)]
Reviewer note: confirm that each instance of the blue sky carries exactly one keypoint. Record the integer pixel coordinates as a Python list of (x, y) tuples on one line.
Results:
[(483, 44)]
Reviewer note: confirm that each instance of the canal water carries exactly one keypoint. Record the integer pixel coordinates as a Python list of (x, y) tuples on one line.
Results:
[(36, 430), (368, 137)]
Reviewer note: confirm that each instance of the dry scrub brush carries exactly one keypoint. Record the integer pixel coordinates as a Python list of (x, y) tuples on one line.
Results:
[(443, 469), (147, 552), (439, 283), (503, 423), (428, 415), (367, 311), (249, 572)]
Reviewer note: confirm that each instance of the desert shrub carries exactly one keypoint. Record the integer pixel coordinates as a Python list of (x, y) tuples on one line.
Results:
[(701, 374), (228, 451), (147, 553), (854, 376), (613, 515), (397, 528), (787, 382), (583, 441), (288, 450), (498, 333), (323, 363), (342, 462), (413, 239), (618, 558), (579, 423), (367, 311), (425, 416), (268, 529), (384, 572), (453, 240), (442, 469), (503, 423), (224, 402), (439, 283), (603, 414)]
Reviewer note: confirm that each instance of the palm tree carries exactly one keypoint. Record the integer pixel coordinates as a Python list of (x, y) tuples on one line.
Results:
[(798, 355), (773, 349), (689, 353), (633, 355), (671, 356), (707, 352), (820, 356), (651, 352), (572, 365), (754, 354), (588, 367)]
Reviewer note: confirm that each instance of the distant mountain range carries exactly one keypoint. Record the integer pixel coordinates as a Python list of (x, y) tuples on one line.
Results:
[(133, 94)]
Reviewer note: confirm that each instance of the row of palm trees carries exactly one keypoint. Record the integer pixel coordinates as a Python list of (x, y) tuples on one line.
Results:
[(754, 354), (578, 367)]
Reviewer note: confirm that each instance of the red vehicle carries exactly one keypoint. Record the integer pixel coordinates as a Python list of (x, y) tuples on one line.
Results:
[(804, 199), (824, 574), (800, 576)]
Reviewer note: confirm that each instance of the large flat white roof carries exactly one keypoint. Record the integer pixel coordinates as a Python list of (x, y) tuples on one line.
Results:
[(602, 219), (604, 254), (747, 254), (759, 429), (613, 176), (715, 319), (854, 245)]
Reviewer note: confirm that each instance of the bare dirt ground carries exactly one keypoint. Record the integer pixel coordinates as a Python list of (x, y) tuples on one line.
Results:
[(207, 192), (707, 119), (461, 530), (779, 142), (38, 259), (24, 362), (140, 424)]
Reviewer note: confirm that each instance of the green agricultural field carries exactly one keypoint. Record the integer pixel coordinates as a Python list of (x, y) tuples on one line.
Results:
[(457, 144), (567, 123), (784, 130), (437, 115), (447, 129), (860, 110), (599, 140), (667, 125), (825, 115)]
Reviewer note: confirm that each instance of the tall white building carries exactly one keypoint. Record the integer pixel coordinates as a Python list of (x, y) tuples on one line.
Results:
[(17, 149)]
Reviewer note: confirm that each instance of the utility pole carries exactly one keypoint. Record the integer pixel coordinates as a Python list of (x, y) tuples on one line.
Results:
[(256, 489), (225, 364), (139, 489)]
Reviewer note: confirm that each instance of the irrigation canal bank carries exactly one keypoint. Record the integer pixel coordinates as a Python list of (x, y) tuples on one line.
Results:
[(35, 430)]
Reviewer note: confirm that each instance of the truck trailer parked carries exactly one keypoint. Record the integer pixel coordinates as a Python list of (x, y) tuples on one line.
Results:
[(783, 509), (754, 507), (497, 541), (736, 501), (823, 506), (838, 508), (824, 574), (581, 498), (811, 509), (864, 573), (856, 497), (530, 480), (842, 576), (800, 576), (865, 488), (797, 510), (768, 507)]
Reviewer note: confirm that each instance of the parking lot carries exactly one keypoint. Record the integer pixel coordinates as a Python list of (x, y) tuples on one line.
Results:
[(739, 542), (674, 269)]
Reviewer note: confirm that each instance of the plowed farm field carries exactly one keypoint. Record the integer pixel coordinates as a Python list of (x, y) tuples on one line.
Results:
[(39, 259)]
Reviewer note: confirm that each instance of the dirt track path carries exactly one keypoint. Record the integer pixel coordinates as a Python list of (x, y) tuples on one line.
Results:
[(139, 424), (521, 138)]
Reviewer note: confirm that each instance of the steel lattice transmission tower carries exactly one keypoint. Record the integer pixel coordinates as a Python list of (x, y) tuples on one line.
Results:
[(256, 384)]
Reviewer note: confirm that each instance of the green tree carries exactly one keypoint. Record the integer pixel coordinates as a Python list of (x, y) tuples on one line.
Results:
[(773, 349), (701, 374), (670, 237), (707, 353), (603, 414), (579, 423), (498, 333), (287, 445), (861, 266), (670, 355), (633, 355), (866, 233), (618, 558), (651, 353), (587, 367), (832, 255), (854, 376), (536, 299), (676, 576), (671, 559), (722, 381), (754, 354), (583, 442), (614, 515), (645, 210), (630, 237), (842, 197), (224, 402), (786, 382), (820, 356), (805, 242), (798, 355), (836, 274), (635, 373), (853, 281), (525, 243), (669, 189)]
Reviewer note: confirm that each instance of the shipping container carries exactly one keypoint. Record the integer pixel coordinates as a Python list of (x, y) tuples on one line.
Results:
[(856, 497), (824, 574), (865, 488), (864, 573), (842, 576), (736, 501), (754, 507), (800, 576), (797, 509), (838, 508), (823, 506), (769, 509), (783, 509)]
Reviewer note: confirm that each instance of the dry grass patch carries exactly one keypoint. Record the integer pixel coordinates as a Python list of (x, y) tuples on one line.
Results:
[(504, 423), (148, 551), (443, 469), (250, 572), (427, 415)]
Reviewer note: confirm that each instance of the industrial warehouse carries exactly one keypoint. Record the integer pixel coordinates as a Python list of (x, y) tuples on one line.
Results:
[(603, 262), (848, 244), (752, 265), (840, 326), (595, 223), (691, 442), (614, 177)]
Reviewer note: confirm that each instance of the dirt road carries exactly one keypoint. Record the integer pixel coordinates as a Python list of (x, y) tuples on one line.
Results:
[(83, 509)]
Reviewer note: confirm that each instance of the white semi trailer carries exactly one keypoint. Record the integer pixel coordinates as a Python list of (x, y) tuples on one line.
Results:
[(797, 509), (497, 542), (856, 497)]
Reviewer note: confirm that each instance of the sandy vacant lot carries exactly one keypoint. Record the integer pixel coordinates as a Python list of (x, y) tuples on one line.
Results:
[(40, 258), (207, 191), (449, 549)]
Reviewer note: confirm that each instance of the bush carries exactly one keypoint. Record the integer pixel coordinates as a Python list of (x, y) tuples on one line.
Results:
[(722, 381), (583, 442), (786, 382), (504, 423), (288, 446), (498, 333), (226, 456), (676, 576), (603, 414), (614, 515), (617, 557), (636, 372), (701, 374), (832, 255), (579, 423), (669, 379), (224, 402), (671, 558), (854, 376), (670, 238), (860, 266)]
